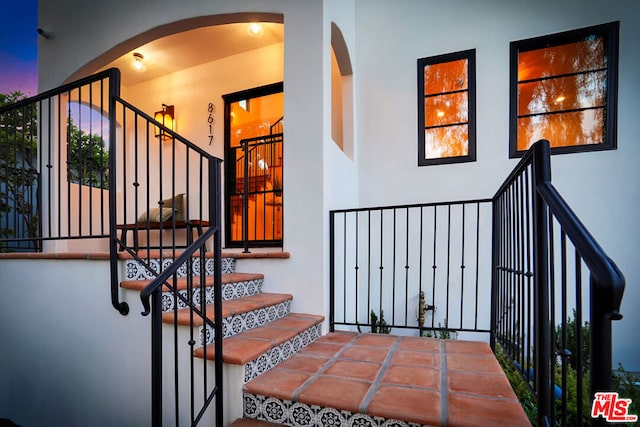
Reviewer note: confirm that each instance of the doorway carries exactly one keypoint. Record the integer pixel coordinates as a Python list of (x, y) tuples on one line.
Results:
[(254, 186)]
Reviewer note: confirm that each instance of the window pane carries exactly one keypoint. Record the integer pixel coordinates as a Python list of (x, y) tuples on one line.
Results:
[(445, 77), (564, 59), (446, 109), (563, 93), (563, 130), (449, 141)]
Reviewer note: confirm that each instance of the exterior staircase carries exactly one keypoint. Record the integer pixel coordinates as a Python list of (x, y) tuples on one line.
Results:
[(280, 370), (259, 329)]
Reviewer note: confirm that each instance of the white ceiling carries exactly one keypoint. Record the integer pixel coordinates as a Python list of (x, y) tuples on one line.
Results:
[(195, 47)]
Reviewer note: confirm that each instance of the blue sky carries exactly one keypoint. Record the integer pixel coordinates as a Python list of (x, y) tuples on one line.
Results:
[(18, 47)]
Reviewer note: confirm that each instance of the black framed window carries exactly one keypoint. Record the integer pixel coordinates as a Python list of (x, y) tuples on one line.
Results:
[(564, 89), (446, 108)]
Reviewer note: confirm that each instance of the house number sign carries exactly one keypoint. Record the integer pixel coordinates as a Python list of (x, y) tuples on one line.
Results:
[(211, 109)]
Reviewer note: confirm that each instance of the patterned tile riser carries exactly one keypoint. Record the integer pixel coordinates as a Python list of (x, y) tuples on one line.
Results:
[(236, 324), (230, 291), (281, 353), (136, 271), (301, 414)]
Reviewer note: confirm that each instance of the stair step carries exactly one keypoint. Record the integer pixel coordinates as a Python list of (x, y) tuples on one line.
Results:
[(181, 282), (233, 307), (234, 285), (345, 378), (262, 348)]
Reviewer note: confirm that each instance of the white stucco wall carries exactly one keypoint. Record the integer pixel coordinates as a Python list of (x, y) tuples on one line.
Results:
[(68, 357), (602, 187), (385, 39)]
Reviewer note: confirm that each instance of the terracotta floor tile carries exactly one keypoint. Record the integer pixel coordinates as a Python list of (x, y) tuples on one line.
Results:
[(279, 383), (420, 344), (414, 376), (409, 404), (248, 422), (376, 340), (274, 335), (322, 348), (476, 348), (304, 362), (367, 371), (293, 322), (366, 354), (483, 384), (472, 411), (465, 362), (239, 350), (332, 392), (416, 358), (339, 337)]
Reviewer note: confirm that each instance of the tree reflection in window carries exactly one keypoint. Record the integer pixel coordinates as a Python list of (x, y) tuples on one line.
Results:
[(446, 108), (563, 89)]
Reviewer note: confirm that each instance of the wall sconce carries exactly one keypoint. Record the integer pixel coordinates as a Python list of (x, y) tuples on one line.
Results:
[(166, 117)]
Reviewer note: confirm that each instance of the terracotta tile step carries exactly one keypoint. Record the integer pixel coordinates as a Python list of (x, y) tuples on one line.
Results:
[(230, 308), (138, 285), (343, 378), (247, 346)]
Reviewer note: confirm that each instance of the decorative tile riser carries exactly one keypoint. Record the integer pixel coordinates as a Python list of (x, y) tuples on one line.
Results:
[(298, 414), (230, 291), (281, 353), (236, 324), (136, 271)]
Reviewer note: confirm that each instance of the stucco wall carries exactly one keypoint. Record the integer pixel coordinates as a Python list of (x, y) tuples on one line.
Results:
[(68, 358), (385, 39), (602, 187)]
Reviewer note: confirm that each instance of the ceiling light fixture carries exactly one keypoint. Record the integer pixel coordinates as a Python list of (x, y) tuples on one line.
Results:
[(137, 63), (255, 29)]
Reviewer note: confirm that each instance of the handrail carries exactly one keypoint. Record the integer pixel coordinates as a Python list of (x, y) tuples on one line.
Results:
[(166, 130), (601, 266), (159, 281), (111, 72), (530, 288)]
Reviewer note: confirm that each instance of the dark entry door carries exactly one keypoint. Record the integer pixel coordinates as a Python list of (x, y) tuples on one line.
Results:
[(254, 186)]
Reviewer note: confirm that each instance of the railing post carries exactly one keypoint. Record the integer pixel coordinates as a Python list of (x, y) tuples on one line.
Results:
[(114, 92), (495, 245), (215, 210), (245, 198), (332, 271), (542, 328), (156, 358)]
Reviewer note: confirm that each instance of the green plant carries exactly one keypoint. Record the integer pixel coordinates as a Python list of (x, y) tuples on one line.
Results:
[(88, 158), (625, 383), (379, 326), (18, 173), (442, 332)]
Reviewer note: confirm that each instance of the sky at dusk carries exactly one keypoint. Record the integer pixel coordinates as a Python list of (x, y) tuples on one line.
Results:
[(18, 47)]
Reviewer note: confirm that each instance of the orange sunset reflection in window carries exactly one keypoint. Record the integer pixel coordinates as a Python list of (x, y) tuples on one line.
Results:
[(446, 108), (562, 94)]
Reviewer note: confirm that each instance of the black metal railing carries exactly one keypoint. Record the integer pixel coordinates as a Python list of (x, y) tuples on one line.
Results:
[(384, 259), (544, 272), (256, 197), (550, 276), (169, 188), (54, 165), (79, 162)]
